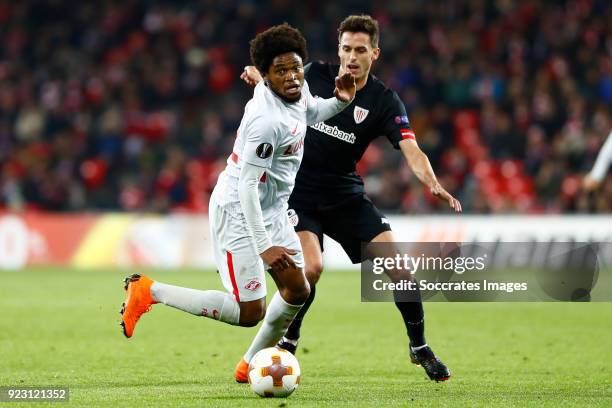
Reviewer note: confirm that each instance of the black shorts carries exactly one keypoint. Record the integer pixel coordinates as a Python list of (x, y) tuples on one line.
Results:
[(351, 223)]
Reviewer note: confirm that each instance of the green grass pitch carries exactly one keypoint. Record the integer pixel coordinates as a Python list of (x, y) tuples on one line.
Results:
[(60, 327)]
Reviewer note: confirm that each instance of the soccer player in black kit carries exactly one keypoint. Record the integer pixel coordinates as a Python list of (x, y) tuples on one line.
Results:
[(329, 196)]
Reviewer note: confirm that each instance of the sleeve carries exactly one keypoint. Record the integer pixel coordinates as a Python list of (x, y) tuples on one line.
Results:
[(603, 160), (259, 142), (395, 123), (248, 193), (319, 110)]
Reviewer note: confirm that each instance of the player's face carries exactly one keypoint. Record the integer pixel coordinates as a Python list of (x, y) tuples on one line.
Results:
[(286, 76), (356, 54)]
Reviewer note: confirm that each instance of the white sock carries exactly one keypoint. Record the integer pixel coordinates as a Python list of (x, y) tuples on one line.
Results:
[(208, 303), (418, 348), (279, 316)]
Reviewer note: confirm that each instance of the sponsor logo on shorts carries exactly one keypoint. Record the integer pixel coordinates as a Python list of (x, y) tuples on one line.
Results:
[(252, 285), (384, 221), (293, 217)]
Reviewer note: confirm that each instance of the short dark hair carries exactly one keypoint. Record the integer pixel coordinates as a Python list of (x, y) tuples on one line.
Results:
[(360, 24), (275, 41)]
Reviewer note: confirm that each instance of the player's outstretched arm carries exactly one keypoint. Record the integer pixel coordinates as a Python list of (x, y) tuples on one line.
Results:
[(420, 166), (248, 194), (276, 257), (319, 110)]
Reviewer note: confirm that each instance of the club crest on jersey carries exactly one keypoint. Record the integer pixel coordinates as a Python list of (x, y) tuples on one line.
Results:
[(252, 285), (293, 217), (359, 114), (264, 150)]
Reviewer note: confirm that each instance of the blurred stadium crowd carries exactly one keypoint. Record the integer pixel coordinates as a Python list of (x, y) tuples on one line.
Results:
[(133, 105)]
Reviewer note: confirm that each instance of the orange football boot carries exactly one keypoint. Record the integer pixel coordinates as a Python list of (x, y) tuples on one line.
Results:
[(241, 374), (137, 302)]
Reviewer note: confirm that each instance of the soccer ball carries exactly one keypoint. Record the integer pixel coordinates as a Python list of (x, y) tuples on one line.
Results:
[(274, 372)]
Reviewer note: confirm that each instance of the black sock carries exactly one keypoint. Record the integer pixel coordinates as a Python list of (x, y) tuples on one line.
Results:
[(414, 319), (293, 332)]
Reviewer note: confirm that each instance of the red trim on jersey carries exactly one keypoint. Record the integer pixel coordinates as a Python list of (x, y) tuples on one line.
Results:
[(407, 134), (230, 266)]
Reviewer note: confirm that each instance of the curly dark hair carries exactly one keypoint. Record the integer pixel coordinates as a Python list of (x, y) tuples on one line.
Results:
[(360, 24), (275, 41)]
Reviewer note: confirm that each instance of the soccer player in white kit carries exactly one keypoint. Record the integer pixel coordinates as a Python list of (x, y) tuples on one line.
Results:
[(250, 229), (594, 178)]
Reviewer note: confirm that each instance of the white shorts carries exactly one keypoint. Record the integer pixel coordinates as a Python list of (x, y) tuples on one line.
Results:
[(241, 268)]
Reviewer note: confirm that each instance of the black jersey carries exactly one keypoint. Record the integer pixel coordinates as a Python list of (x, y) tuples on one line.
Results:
[(333, 148)]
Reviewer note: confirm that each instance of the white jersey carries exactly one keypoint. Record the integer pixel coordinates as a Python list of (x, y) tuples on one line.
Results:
[(604, 158), (271, 136)]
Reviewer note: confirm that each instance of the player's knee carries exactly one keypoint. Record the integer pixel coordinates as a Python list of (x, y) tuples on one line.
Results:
[(251, 315), (313, 271), (303, 294), (297, 295)]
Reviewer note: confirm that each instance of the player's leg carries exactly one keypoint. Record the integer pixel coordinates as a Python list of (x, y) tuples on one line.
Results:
[(340, 224), (241, 273), (313, 255), (413, 316), (284, 305), (313, 258), (357, 221), (143, 292), (239, 267), (412, 312), (293, 290)]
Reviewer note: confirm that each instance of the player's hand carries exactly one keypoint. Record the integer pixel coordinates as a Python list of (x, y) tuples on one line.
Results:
[(589, 183), (345, 87), (441, 193), (279, 258), (251, 75)]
